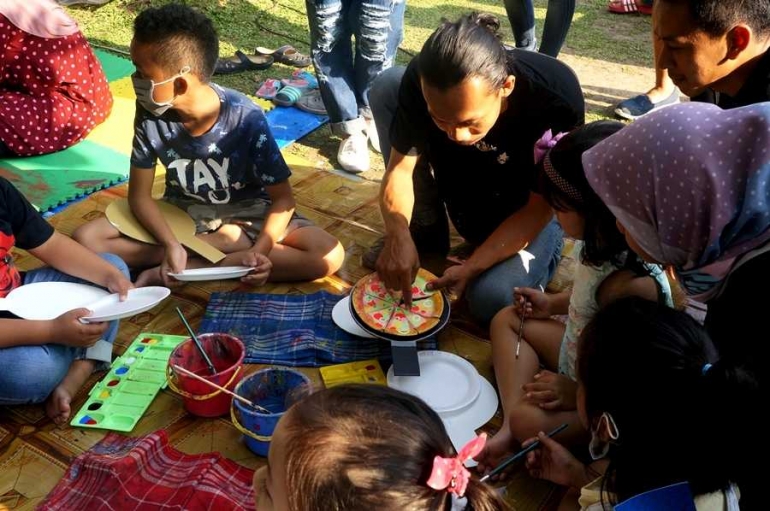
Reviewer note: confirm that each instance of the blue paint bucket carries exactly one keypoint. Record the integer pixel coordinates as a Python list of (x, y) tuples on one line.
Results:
[(274, 389)]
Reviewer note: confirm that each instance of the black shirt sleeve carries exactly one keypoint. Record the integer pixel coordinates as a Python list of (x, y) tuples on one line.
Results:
[(410, 124), (29, 228)]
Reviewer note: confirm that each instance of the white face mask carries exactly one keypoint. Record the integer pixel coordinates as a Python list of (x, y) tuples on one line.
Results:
[(144, 89), (598, 448)]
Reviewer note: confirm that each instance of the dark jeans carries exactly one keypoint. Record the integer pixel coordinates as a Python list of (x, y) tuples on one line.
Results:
[(344, 78), (493, 289), (521, 14)]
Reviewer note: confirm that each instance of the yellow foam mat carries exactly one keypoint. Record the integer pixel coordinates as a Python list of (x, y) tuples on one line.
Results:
[(117, 132), (123, 88)]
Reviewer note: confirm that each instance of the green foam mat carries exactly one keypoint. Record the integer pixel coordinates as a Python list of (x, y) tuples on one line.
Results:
[(53, 179), (114, 67)]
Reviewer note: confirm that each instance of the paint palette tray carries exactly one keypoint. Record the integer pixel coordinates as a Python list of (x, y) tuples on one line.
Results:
[(365, 371), (120, 399)]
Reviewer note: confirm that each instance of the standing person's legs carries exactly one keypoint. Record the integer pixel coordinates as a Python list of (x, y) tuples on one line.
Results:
[(379, 29), (532, 267), (383, 102), (521, 15), (558, 19), (332, 54)]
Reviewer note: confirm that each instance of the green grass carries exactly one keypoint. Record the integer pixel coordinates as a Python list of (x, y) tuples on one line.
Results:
[(243, 24)]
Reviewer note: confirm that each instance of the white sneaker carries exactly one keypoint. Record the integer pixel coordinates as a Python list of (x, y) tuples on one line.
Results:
[(353, 155), (371, 132)]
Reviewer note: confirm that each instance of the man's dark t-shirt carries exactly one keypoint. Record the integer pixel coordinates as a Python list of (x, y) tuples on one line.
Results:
[(484, 184)]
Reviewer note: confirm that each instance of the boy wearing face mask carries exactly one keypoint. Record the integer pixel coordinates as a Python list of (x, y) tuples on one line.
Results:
[(223, 166)]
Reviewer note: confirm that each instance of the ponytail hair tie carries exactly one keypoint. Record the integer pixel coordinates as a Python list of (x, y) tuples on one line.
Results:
[(546, 142), (450, 474)]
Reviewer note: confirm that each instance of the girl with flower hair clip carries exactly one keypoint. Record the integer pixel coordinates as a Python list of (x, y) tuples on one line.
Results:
[(535, 366), (368, 447), (662, 408)]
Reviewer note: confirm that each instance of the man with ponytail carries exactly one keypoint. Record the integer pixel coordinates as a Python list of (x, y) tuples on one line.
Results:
[(457, 129)]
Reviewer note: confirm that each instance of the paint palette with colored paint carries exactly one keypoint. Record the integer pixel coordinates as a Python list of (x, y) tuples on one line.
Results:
[(120, 399)]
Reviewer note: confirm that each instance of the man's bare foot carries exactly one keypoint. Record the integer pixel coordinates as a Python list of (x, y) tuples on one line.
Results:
[(149, 277), (57, 406), (497, 449)]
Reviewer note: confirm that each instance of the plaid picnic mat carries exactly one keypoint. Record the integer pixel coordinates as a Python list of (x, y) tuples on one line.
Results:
[(147, 474), (291, 330)]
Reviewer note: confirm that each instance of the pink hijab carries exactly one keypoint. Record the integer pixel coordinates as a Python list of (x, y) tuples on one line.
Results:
[(41, 18)]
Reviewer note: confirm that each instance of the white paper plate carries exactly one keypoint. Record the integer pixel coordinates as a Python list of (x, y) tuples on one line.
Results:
[(49, 300), (447, 382), (139, 300), (213, 273), (342, 318), (462, 425)]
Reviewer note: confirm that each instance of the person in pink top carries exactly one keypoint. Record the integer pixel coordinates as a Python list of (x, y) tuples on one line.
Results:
[(53, 91)]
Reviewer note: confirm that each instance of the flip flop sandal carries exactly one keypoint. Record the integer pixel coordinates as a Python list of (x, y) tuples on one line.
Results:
[(312, 102), (68, 3), (288, 95), (285, 55), (269, 88), (622, 6), (306, 76), (300, 84)]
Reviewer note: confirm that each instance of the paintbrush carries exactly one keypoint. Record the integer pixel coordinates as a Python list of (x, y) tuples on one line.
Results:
[(531, 447), (521, 328), (197, 342), (212, 384)]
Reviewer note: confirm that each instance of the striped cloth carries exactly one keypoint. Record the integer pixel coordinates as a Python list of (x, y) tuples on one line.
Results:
[(291, 330), (147, 474)]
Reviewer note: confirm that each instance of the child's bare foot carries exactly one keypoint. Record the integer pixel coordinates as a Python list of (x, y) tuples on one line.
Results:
[(497, 449), (57, 407), (149, 277)]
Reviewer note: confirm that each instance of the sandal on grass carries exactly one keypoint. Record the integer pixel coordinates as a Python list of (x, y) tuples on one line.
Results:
[(242, 62), (312, 102), (269, 88), (289, 95), (622, 6), (310, 78), (285, 55)]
